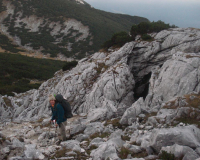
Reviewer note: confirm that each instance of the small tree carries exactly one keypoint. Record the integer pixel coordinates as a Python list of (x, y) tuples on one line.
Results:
[(69, 65), (144, 27), (118, 39), (146, 37)]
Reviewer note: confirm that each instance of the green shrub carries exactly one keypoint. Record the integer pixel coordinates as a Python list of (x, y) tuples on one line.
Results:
[(115, 123), (69, 65), (143, 27), (166, 156), (124, 152), (146, 37), (149, 27), (118, 39)]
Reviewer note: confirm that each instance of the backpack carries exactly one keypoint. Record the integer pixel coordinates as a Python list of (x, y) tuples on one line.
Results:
[(66, 106)]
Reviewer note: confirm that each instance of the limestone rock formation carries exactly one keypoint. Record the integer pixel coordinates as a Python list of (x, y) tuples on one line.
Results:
[(142, 100)]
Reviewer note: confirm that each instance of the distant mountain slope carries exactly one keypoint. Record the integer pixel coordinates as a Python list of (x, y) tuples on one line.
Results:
[(58, 28)]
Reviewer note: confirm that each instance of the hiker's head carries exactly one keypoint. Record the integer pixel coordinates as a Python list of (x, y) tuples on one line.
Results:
[(52, 100)]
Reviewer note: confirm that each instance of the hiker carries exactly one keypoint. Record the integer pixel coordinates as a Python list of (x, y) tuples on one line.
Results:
[(58, 115)]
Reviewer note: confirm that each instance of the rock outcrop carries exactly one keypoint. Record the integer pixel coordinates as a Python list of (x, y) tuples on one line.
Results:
[(139, 101)]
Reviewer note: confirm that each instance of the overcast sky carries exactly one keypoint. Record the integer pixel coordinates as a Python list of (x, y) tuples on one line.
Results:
[(182, 13)]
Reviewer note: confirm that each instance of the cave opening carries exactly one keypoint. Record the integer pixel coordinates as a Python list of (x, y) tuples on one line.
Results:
[(142, 87)]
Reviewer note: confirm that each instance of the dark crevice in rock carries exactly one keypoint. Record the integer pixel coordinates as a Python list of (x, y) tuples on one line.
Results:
[(142, 87)]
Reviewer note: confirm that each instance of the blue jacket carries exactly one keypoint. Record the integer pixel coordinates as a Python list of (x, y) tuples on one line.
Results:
[(58, 113)]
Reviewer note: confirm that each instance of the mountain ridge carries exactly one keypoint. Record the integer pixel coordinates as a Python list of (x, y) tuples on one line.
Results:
[(60, 27)]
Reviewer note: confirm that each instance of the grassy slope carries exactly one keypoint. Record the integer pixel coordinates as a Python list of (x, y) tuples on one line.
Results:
[(16, 72)]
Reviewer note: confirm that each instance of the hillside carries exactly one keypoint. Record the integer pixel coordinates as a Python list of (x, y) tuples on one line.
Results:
[(59, 28), (21, 73)]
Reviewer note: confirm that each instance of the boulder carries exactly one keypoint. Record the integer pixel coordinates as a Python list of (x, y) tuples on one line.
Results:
[(104, 151), (98, 114), (5, 150), (179, 151), (190, 156), (131, 113), (16, 143), (185, 136), (42, 136), (93, 128), (30, 134), (96, 142), (81, 137), (177, 77), (77, 129), (108, 149), (72, 145), (133, 148), (32, 153), (198, 151)]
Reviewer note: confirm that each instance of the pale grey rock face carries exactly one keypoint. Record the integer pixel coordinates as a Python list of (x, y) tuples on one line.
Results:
[(16, 158), (5, 110), (72, 145), (179, 151), (198, 151), (116, 141), (30, 134), (5, 150), (32, 153), (93, 128), (98, 114), (190, 156), (16, 143), (178, 76), (113, 86), (133, 148), (42, 136), (96, 142), (105, 151), (131, 113), (109, 149), (186, 136), (77, 129), (81, 137), (116, 134)]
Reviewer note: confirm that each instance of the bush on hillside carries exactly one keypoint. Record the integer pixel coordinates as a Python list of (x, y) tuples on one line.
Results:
[(143, 28), (149, 27), (69, 65), (146, 37), (118, 39)]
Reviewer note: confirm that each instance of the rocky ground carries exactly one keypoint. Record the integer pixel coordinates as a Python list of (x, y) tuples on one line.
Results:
[(139, 102), (169, 132)]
